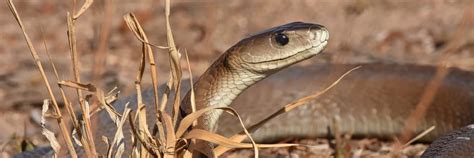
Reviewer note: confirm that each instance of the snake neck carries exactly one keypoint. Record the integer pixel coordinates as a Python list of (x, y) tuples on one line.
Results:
[(218, 87)]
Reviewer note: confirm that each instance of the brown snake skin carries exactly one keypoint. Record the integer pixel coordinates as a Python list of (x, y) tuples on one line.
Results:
[(373, 101)]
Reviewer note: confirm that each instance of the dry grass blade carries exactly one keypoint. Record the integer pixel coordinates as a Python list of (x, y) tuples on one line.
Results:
[(175, 65), (241, 136), (67, 103), (151, 146), (419, 136), (62, 125), (118, 140), (87, 87), (135, 27), (187, 121), (105, 102), (84, 7), (86, 137), (311, 97), (192, 97), (221, 140), (170, 136), (47, 133), (187, 153)]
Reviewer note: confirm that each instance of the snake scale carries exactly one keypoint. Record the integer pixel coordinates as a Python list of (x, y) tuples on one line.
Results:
[(373, 101)]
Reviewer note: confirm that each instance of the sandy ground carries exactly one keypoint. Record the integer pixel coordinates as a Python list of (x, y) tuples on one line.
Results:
[(402, 31)]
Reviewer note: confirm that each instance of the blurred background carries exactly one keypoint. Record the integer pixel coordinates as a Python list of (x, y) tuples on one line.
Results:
[(397, 31)]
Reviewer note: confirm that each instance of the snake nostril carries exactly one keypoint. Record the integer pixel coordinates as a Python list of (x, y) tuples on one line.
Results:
[(313, 35)]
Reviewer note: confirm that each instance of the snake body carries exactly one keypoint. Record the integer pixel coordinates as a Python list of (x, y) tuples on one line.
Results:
[(375, 100), (372, 101)]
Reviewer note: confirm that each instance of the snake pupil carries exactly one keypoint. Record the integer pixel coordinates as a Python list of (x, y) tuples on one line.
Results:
[(281, 39)]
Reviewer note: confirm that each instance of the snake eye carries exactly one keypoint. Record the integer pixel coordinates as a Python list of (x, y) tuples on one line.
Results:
[(281, 39)]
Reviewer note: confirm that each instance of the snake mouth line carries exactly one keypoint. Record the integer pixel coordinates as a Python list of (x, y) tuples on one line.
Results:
[(305, 53)]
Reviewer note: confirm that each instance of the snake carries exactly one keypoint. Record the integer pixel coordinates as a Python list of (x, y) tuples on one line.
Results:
[(373, 101)]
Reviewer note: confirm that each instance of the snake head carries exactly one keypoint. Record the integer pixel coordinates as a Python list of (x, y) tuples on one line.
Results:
[(276, 48)]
